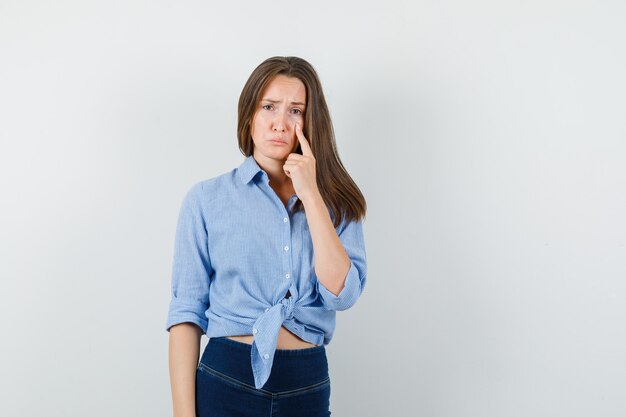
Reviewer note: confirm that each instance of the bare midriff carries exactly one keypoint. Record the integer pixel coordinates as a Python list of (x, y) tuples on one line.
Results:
[(286, 340)]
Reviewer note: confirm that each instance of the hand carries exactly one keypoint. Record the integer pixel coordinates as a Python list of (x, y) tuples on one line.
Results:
[(301, 168)]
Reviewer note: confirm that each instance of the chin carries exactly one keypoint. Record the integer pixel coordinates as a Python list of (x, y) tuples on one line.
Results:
[(277, 154)]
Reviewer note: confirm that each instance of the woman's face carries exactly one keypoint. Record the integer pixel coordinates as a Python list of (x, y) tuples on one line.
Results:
[(282, 105)]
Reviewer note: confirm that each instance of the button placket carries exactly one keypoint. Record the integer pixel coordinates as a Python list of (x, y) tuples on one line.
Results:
[(287, 261)]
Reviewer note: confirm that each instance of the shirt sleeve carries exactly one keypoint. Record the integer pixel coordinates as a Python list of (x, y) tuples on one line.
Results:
[(191, 266), (351, 237)]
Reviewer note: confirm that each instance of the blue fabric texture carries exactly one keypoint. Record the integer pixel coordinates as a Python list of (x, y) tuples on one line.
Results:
[(243, 264)]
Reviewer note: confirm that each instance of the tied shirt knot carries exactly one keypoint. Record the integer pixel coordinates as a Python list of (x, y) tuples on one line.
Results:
[(265, 332)]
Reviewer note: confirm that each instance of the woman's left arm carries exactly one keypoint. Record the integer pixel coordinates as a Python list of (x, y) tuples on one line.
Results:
[(332, 263)]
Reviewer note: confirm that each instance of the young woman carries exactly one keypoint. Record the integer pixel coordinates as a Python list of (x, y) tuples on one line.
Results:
[(264, 256)]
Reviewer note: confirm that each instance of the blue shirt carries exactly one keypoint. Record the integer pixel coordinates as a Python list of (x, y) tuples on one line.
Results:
[(243, 264)]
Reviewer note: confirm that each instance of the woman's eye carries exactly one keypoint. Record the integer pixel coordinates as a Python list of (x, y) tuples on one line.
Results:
[(267, 105), (298, 110)]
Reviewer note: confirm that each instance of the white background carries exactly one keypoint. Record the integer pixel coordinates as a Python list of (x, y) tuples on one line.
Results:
[(488, 137)]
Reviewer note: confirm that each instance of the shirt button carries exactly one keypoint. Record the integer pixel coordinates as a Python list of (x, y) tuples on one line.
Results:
[(287, 276), (255, 331), (285, 219), (266, 356), (267, 309), (286, 248)]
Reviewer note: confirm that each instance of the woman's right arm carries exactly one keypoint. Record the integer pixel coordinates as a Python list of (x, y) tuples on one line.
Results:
[(186, 319), (184, 352)]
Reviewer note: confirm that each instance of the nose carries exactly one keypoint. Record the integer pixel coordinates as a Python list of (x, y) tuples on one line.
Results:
[(280, 122)]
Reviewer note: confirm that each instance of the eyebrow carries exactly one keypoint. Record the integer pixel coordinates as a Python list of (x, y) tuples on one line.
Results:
[(278, 101)]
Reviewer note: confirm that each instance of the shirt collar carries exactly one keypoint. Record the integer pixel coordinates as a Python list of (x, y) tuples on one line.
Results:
[(248, 169)]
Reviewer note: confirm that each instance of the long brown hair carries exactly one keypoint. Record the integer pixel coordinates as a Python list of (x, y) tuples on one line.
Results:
[(338, 190)]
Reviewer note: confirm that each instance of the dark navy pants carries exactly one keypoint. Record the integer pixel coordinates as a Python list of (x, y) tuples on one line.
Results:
[(299, 385)]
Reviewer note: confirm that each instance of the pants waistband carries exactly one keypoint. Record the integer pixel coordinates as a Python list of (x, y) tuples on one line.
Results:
[(291, 369)]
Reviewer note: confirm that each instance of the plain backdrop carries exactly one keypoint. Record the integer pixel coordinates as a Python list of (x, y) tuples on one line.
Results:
[(488, 137)]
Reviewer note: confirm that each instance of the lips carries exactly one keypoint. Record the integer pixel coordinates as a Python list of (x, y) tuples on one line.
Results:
[(277, 140)]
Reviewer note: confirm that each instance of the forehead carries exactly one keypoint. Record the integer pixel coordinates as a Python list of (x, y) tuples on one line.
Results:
[(285, 88)]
